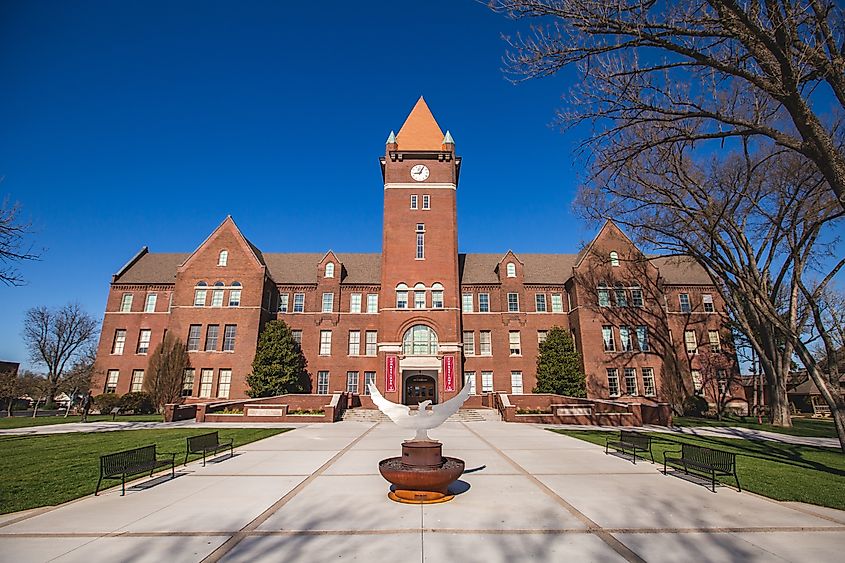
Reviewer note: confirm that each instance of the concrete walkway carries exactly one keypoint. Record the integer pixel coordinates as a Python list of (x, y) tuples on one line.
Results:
[(314, 494)]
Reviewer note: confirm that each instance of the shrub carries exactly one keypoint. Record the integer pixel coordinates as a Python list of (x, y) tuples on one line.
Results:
[(138, 403), (695, 405), (106, 402), (307, 411)]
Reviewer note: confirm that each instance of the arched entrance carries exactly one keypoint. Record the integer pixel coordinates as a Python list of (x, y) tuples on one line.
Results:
[(419, 387)]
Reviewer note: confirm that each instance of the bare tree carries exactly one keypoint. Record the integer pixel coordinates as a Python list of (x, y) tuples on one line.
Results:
[(56, 339), (78, 378), (166, 371), (13, 246), (36, 386), (693, 71), (10, 388)]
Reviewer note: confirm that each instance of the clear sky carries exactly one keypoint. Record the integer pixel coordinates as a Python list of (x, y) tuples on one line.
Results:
[(124, 124)]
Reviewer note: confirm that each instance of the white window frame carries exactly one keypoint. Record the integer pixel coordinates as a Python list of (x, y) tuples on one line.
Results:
[(352, 381), (372, 303), (715, 341), (516, 383), (371, 344), (199, 297), (614, 259), (144, 337), (217, 298), (119, 342), (420, 298), (541, 336), (612, 382), (414, 201), (469, 343), (469, 379), (150, 303), (637, 297), (697, 381), (126, 303), (690, 342), (684, 304), (513, 303), (707, 303), (369, 377), (642, 338), (301, 306), (234, 298), (515, 343), (630, 375), (230, 333), (325, 343), (112, 377), (328, 303), (603, 296), (608, 338), (626, 341), (223, 258), (486, 381), (557, 303), (540, 303), (136, 384), (426, 202), (649, 387), (329, 271), (510, 268), (401, 298), (224, 383), (483, 302), (466, 303), (354, 343), (284, 302), (194, 338), (188, 378), (420, 231), (485, 343), (355, 303), (211, 341), (297, 336), (206, 380), (322, 382)]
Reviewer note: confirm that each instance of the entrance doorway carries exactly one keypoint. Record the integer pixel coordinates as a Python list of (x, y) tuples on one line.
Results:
[(419, 387)]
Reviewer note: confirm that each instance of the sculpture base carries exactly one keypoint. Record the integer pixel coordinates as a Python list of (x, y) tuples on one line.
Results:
[(418, 497)]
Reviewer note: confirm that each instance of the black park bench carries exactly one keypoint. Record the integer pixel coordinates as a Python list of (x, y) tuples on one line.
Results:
[(629, 440), (140, 460), (207, 444), (707, 460)]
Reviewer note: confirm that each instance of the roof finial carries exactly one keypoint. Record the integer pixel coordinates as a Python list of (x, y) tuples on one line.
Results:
[(391, 139), (448, 138)]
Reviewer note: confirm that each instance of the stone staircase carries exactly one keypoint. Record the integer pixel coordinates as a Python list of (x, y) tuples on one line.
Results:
[(463, 415)]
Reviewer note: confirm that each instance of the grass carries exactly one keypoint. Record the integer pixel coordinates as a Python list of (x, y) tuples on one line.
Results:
[(51, 469), (773, 469), (810, 427), (27, 421)]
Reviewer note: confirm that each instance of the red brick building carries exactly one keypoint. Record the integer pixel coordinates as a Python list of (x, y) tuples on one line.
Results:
[(420, 314)]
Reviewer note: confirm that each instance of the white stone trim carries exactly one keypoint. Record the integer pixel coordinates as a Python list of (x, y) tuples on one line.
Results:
[(419, 185)]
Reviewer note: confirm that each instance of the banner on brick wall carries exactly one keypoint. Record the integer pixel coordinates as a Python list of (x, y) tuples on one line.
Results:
[(390, 375), (449, 372)]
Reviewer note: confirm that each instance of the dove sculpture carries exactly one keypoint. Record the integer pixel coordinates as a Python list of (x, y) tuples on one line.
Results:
[(424, 419)]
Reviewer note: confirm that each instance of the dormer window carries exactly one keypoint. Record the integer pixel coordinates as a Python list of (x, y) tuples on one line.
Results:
[(223, 259), (511, 269), (330, 270), (614, 258)]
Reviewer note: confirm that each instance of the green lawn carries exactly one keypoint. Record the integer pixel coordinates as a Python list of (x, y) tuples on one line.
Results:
[(47, 470), (772, 469), (811, 427), (27, 421)]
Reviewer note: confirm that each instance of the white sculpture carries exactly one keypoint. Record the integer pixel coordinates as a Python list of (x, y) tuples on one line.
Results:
[(424, 419)]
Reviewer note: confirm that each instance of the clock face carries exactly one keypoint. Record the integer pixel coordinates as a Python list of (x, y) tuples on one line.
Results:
[(419, 172)]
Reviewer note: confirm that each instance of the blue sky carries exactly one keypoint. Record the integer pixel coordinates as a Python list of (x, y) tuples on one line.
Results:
[(124, 124)]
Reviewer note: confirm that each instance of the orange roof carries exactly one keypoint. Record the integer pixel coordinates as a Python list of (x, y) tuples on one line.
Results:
[(420, 131)]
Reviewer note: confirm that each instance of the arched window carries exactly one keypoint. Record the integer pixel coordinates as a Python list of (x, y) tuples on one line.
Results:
[(614, 258), (330, 270), (511, 270), (401, 296), (236, 284), (219, 284), (437, 295), (419, 340), (201, 284), (223, 259)]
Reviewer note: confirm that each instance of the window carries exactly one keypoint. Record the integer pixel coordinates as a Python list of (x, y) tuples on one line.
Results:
[(126, 303), (513, 302), (354, 342), (206, 376), (715, 343), (111, 381), (485, 343), (413, 202), (722, 381), (199, 297), (437, 299), (322, 383), (298, 302), (613, 382), (516, 382), (557, 303), (283, 302), (355, 303), (707, 301), (511, 269), (426, 202), (329, 270), (419, 340), (469, 343), (631, 381), (188, 382), (614, 258), (469, 379), (515, 344), (297, 336), (620, 296), (234, 298), (371, 346), (119, 341), (642, 338), (604, 296), (466, 302), (150, 303), (372, 302), (194, 337), (211, 335), (419, 298), (229, 334), (684, 300), (352, 382), (328, 302), (636, 296), (483, 302), (541, 336), (648, 382), (625, 339), (369, 377), (137, 383), (402, 299), (325, 342), (223, 258), (697, 383), (217, 298), (607, 337), (420, 241), (144, 341), (486, 381), (540, 302), (224, 382), (691, 342)]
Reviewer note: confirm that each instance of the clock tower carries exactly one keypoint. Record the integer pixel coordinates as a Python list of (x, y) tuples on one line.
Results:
[(420, 290)]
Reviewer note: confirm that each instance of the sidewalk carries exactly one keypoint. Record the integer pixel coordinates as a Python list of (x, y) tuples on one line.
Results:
[(314, 494)]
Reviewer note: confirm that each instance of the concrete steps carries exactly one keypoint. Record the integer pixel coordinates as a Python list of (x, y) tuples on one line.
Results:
[(463, 415)]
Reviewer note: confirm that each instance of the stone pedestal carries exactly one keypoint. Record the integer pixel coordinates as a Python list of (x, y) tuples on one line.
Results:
[(422, 475)]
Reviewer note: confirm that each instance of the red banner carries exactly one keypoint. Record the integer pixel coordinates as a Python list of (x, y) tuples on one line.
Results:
[(449, 372), (390, 375)]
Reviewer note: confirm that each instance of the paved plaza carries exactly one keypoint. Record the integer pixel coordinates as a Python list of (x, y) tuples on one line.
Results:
[(314, 494)]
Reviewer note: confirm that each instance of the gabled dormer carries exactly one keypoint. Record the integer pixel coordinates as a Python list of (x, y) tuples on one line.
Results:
[(510, 269)]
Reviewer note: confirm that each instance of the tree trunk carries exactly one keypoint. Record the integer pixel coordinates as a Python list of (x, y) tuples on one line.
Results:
[(49, 403), (779, 406), (35, 410)]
